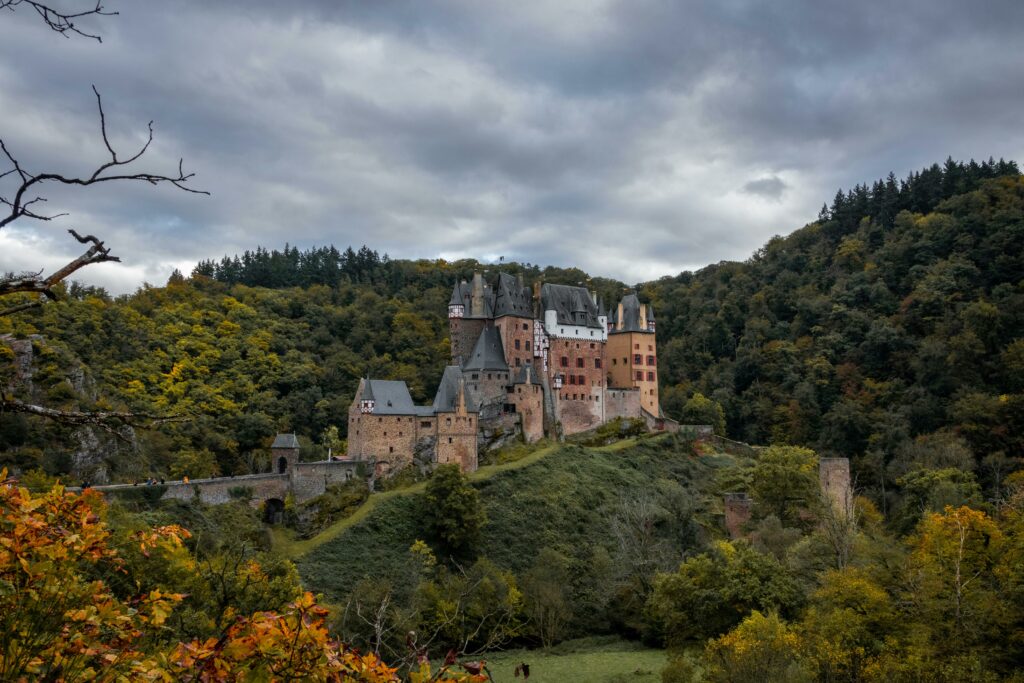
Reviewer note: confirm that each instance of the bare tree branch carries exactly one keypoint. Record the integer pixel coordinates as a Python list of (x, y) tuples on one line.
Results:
[(21, 200), (104, 419), (36, 284), (61, 22)]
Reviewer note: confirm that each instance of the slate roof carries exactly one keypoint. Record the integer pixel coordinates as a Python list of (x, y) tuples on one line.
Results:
[(390, 397), (462, 293), (488, 354), (631, 308), (447, 398), (521, 376), (511, 299), (572, 305), (285, 441)]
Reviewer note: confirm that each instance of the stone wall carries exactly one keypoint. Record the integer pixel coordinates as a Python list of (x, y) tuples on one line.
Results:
[(387, 439), (579, 404), (310, 479), (464, 332), (516, 339), (834, 477), (254, 487), (456, 440), (624, 403), (738, 509), (486, 386), (529, 402)]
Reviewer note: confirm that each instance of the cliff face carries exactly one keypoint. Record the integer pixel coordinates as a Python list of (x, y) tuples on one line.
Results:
[(35, 371)]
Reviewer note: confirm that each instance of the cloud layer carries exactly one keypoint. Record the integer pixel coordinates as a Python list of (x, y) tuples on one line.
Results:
[(633, 139)]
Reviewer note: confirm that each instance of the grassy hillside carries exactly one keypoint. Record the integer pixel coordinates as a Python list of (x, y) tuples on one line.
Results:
[(563, 498)]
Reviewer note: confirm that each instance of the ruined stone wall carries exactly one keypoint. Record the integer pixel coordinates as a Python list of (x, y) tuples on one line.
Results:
[(834, 477), (579, 402), (463, 334), (456, 440), (529, 402), (738, 509), (516, 339), (624, 403)]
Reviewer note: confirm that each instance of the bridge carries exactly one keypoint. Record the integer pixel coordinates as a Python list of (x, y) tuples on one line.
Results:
[(302, 480)]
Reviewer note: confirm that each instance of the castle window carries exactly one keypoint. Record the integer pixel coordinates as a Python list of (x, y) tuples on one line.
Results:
[(579, 362), (565, 361), (385, 433), (527, 344), (517, 344), (581, 380), (400, 433), (448, 420), (597, 398), (474, 376), (639, 375), (638, 359), (572, 379), (488, 375), (650, 360), (574, 397), (519, 361), (625, 361), (380, 419), (425, 423), (615, 361), (591, 344), (391, 449), (597, 362), (650, 348), (636, 346), (650, 376)]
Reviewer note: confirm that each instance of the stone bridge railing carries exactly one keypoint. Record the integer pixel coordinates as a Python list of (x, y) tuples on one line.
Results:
[(303, 480)]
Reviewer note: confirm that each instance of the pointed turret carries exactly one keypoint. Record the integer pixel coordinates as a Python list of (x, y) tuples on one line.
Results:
[(488, 354)]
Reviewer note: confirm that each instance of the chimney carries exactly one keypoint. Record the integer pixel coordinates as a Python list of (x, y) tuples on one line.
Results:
[(476, 306), (593, 296)]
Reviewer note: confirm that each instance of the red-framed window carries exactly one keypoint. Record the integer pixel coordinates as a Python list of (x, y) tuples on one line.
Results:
[(650, 376), (638, 359)]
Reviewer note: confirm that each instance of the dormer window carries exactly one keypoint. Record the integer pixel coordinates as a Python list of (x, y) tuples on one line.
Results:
[(456, 311), (366, 406), (650, 326)]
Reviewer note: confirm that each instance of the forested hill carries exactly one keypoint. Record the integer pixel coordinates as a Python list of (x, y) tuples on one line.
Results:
[(898, 314), (891, 330)]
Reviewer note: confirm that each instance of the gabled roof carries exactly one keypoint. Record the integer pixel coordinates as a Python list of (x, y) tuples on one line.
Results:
[(447, 398), (390, 397), (488, 354), (511, 298), (572, 305), (285, 441)]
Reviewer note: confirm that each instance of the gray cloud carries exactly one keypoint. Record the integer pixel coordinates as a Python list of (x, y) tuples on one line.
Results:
[(769, 187), (604, 134)]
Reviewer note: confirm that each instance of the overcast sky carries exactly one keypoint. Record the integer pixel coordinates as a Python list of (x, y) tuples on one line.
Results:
[(633, 139)]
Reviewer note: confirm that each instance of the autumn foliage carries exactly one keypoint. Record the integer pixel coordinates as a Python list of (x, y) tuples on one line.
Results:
[(61, 620)]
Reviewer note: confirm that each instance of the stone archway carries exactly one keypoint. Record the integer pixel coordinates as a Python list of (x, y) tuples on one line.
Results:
[(273, 511), (282, 465)]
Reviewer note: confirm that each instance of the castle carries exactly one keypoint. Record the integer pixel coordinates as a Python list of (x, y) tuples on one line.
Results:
[(543, 362)]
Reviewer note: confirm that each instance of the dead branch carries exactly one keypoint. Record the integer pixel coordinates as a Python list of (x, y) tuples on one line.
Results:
[(61, 22), (107, 420), (24, 198), (34, 283)]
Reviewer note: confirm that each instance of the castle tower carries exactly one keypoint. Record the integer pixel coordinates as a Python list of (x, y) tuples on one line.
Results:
[(284, 452), (632, 351), (834, 478), (513, 319), (469, 308)]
